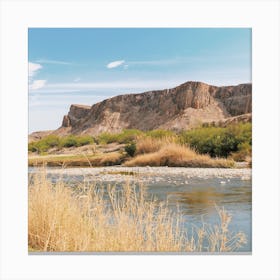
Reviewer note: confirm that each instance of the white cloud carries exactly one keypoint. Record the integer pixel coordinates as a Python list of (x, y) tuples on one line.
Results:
[(37, 84), (130, 85), (115, 64), (49, 61), (33, 68)]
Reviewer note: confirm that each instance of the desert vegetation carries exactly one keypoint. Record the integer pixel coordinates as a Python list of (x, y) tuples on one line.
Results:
[(91, 218), (106, 159), (126, 136), (206, 146), (177, 155), (54, 141), (220, 141)]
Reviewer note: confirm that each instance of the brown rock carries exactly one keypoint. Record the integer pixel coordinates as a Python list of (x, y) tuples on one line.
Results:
[(66, 121), (76, 113), (182, 107)]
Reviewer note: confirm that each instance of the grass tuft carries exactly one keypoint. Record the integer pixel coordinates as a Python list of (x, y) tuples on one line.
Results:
[(148, 144), (178, 155), (91, 219)]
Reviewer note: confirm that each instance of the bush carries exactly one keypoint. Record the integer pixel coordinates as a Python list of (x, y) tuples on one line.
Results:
[(244, 152), (32, 147), (123, 137), (178, 155), (84, 140), (148, 144), (69, 141), (128, 135), (160, 133), (218, 141), (130, 149), (44, 144), (52, 141), (106, 138)]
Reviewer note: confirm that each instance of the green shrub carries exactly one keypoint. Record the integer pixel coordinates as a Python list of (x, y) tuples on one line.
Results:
[(69, 141), (84, 140), (52, 141), (128, 135), (106, 138), (44, 144), (32, 147), (123, 137), (243, 153), (160, 133), (130, 149), (218, 141)]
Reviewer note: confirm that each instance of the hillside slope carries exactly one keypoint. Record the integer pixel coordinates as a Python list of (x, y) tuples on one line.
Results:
[(182, 107)]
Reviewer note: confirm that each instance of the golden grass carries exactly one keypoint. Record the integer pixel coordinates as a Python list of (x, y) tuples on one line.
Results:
[(174, 154), (149, 151), (147, 144), (83, 160), (62, 219)]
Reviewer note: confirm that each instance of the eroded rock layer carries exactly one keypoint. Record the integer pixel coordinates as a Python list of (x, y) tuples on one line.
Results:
[(182, 107)]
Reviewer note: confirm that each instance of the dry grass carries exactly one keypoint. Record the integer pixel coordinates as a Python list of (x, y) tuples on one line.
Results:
[(92, 219), (151, 151), (104, 159), (174, 154), (147, 144)]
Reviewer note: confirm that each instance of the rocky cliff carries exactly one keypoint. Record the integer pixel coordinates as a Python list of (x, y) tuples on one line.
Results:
[(182, 107)]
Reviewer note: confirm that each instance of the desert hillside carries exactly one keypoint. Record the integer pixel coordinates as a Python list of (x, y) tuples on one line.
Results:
[(180, 108)]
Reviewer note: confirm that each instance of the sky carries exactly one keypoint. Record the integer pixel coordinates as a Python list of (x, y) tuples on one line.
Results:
[(87, 65)]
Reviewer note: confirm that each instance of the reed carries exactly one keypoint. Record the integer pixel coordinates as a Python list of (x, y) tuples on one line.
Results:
[(94, 219)]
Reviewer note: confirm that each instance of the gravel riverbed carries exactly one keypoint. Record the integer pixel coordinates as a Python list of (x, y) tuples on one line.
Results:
[(149, 174)]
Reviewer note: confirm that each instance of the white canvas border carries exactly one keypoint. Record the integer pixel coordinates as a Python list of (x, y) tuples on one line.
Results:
[(261, 16)]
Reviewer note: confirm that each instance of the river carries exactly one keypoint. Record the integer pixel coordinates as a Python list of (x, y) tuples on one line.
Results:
[(197, 191)]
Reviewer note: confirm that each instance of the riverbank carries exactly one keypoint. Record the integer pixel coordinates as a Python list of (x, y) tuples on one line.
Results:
[(79, 160), (149, 174)]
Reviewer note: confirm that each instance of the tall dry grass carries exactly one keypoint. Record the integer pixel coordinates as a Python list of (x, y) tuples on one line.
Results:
[(148, 144), (173, 154), (81, 160), (62, 219)]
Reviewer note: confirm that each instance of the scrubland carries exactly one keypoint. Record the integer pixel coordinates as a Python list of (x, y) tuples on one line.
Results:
[(206, 146)]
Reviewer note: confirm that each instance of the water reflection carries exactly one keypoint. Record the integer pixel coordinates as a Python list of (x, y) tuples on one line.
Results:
[(199, 198), (202, 201)]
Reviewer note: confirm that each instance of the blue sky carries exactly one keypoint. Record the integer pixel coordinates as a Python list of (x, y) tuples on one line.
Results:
[(87, 65)]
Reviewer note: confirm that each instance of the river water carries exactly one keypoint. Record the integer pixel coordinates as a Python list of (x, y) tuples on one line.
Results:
[(197, 191)]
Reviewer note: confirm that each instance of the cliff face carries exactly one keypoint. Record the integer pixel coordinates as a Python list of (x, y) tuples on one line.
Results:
[(76, 113), (182, 107)]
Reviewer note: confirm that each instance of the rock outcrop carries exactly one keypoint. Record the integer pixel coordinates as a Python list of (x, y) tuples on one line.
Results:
[(76, 113), (182, 107)]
